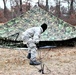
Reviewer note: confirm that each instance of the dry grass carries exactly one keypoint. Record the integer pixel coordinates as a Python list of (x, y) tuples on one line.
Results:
[(60, 61)]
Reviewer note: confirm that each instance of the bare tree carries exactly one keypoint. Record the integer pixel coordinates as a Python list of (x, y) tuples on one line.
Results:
[(12, 8), (70, 6), (5, 8), (71, 10), (17, 7), (38, 2), (21, 7), (47, 6), (57, 10)]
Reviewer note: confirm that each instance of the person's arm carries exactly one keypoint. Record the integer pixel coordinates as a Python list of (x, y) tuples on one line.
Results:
[(36, 37)]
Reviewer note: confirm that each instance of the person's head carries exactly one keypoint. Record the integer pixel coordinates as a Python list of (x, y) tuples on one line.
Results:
[(44, 26)]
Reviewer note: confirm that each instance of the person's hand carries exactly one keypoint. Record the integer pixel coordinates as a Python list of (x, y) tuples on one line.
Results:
[(37, 41), (24, 42)]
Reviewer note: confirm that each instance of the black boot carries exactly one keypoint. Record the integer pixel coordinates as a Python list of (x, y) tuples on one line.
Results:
[(34, 62), (29, 55)]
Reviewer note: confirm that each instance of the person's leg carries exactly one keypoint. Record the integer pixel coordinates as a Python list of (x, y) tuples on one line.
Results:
[(26, 41), (33, 50), (29, 52)]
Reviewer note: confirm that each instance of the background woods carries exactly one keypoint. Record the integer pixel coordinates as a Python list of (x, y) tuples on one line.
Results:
[(64, 9), (17, 7)]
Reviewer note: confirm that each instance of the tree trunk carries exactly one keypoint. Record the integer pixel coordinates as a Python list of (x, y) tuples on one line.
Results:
[(5, 9), (38, 2), (71, 7), (47, 7), (21, 7), (57, 10)]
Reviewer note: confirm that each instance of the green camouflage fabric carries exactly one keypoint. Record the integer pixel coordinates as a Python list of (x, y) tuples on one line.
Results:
[(57, 28)]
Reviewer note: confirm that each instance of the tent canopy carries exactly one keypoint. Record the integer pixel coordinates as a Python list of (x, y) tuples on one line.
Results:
[(57, 28)]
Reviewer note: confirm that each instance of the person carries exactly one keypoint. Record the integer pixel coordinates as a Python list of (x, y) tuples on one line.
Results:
[(31, 37)]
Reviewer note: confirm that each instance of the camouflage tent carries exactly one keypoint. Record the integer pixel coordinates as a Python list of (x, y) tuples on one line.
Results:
[(57, 28)]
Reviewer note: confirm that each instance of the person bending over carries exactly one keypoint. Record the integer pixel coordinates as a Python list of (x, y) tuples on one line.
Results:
[(31, 37)]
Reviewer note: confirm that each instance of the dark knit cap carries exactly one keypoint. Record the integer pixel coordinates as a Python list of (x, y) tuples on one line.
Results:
[(44, 26)]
